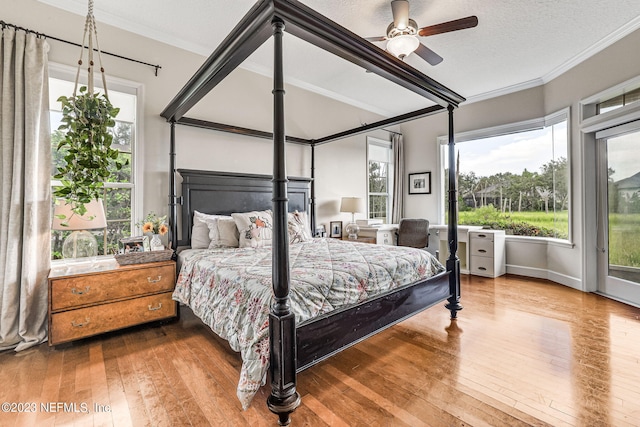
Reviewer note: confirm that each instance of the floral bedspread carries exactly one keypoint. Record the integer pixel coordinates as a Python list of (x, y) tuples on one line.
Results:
[(231, 291)]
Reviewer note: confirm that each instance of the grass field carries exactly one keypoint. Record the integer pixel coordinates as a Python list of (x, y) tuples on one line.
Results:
[(624, 229), (539, 224), (624, 239)]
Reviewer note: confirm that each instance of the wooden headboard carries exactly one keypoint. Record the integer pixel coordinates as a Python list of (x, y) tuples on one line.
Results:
[(224, 193)]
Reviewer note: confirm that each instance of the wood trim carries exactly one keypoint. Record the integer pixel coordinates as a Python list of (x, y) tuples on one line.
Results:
[(327, 335)]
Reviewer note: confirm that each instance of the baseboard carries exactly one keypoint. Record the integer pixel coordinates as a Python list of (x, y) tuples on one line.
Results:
[(539, 273)]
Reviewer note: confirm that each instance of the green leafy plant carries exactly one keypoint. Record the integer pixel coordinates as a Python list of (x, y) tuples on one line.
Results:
[(87, 119)]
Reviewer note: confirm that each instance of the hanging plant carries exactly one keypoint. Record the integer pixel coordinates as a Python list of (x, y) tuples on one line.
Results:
[(87, 119)]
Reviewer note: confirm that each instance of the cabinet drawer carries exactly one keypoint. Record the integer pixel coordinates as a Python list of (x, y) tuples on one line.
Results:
[(482, 247), (78, 291), (480, 235), (84, 322), (482, 266)]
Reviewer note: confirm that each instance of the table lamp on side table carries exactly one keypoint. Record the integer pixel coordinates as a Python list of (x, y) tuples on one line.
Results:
[(80, 243), (353, 205)]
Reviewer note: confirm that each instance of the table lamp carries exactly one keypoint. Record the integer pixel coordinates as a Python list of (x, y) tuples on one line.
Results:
[(80, 243), (353, 205)]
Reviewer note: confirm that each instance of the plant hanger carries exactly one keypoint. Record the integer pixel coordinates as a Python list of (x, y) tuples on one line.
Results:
[(91, 29), (87, 119)]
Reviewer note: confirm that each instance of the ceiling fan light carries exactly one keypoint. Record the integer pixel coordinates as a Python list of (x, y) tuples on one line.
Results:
[(403, 45)]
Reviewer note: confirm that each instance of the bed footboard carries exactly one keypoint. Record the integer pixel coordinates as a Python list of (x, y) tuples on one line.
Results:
[(327, 335)]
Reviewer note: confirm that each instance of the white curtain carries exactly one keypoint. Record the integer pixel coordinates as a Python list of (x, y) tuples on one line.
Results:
[(397, 208), (25, 196)]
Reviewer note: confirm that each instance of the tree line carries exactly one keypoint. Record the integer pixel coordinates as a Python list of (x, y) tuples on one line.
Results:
[(529, 191)]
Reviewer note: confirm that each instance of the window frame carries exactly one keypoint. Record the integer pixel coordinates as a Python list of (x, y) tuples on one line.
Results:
[(67, 73), (390, 175), (506, 129)]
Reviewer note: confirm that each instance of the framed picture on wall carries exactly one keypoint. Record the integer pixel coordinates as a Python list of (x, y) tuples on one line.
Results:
[(420, 183), (335, 228)]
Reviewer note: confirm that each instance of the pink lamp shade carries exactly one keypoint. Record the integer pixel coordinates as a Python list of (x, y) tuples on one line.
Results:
[(65, 219), (80, 243)]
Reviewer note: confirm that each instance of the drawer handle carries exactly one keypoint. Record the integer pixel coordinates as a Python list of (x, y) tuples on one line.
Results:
[(155, 308), (482, 268), (80, 292), (482, 251), (482, 235), (80, 325), (150, 280)]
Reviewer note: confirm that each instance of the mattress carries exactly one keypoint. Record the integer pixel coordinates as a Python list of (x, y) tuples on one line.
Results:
[(230, 290)]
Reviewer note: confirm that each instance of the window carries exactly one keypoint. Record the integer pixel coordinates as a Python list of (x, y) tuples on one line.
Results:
[(119, 190), (516, 178), (618, 101), (380, 173)]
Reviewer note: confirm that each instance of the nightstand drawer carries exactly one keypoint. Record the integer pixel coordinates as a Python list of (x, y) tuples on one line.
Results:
[(482, 247), (482, 235), (482, 266), (79, 291), (84, 322), (386, 237)]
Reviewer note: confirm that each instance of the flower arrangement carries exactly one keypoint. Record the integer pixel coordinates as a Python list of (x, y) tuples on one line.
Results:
[(155, 224)]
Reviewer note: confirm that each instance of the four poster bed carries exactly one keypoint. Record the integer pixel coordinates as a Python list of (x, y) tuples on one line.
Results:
[(259, 292)]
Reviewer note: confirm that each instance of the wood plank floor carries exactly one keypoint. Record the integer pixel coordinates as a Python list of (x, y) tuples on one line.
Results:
[(523, 352)]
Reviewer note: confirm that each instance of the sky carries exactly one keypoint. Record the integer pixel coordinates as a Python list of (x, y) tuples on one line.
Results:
[(623, 154), (512, 153)]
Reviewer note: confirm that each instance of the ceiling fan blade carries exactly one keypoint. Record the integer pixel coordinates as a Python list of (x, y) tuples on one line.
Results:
[(376, 39), (445, 27), (428, 55), (400, 10)]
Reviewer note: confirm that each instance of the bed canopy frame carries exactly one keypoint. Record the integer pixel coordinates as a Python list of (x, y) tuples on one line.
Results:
[(268, 18)]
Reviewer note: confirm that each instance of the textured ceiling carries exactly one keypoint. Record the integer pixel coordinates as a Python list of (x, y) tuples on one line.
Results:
[(517, 43)]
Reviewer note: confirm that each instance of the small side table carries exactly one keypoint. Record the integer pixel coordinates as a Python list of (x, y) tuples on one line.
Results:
[(87, 299)]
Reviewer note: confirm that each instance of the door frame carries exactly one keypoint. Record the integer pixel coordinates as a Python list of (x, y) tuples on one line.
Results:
[(612, 287)]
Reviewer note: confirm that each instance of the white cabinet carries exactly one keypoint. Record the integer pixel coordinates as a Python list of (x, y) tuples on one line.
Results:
[(384, 234), (387, 235), (438, 234), (487, 253)]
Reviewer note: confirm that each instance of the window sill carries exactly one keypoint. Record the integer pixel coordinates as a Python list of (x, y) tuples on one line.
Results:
[(541, 241)]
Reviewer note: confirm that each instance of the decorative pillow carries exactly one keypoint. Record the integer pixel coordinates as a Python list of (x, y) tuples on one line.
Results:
[(255, 228), (227, 233), (298, 227)]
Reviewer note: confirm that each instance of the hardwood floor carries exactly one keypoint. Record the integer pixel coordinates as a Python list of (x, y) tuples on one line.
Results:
[(523, 352)]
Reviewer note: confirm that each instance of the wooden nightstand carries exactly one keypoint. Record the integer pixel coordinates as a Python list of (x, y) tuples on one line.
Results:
[(86, 300)]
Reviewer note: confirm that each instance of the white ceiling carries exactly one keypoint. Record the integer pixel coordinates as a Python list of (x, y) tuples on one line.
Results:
[(517, 43)]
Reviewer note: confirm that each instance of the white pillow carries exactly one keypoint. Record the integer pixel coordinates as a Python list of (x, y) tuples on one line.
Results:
[(298, 227), (205, 223), (255, 228), (200, 231), (227, 234)]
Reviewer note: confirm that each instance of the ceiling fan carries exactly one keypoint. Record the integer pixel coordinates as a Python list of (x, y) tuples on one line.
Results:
[(402, 33)]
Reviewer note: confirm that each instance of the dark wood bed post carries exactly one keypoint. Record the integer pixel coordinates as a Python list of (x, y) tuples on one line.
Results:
[(453, 263), (313, 189), (284, 398), (173, 197)]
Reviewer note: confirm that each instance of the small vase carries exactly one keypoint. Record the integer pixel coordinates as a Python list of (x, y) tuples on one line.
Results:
[(156, 243)]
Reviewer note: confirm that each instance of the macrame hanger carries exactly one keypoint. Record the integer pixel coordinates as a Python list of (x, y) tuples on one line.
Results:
[(90, 29)]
